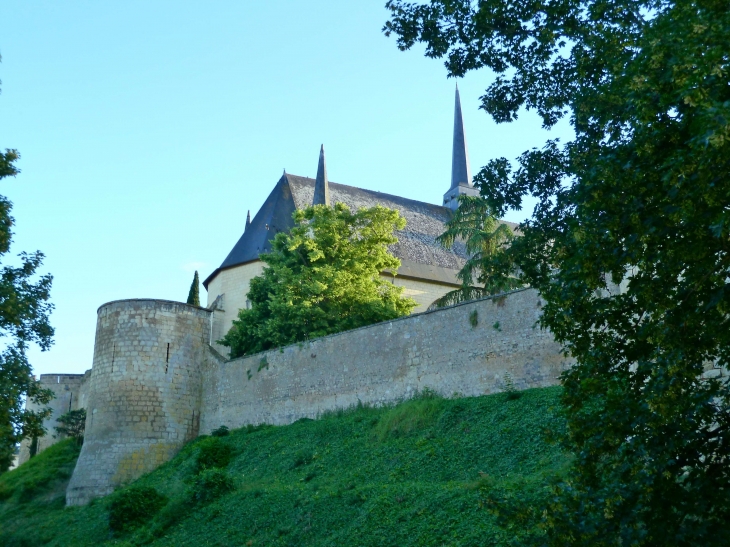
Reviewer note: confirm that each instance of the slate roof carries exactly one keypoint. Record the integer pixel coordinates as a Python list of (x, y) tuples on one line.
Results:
[(421, 256)]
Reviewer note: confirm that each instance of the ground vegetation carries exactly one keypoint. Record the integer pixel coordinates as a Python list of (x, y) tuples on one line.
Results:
[(414, 474)]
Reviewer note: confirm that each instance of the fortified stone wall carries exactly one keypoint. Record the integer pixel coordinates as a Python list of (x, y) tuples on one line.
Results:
[(156, 382), (470, 349), (70, 394), (144, 392)]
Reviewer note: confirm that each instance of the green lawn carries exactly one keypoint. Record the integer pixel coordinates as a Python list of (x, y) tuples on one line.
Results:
[(412, 474)]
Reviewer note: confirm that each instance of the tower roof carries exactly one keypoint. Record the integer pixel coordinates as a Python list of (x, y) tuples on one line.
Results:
[(460, 169), (321, 185)]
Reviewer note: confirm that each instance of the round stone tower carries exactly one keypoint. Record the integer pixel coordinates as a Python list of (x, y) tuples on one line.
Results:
[(144, 392)]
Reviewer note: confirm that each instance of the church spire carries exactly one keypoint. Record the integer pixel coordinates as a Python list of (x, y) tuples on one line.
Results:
[(248, 220), (322, 185), (460, 169)]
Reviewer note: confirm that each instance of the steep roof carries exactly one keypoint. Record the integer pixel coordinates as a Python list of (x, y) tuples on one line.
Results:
[(420, 254)]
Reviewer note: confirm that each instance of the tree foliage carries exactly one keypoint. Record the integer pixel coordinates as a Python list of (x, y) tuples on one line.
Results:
[(194, 293), (322, 277), (639, 198), (24, 310), (73, 425), (484, 237)]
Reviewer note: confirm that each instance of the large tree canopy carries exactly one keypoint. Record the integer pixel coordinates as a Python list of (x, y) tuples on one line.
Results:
[(24, 310), (322, 277), (641, 197)]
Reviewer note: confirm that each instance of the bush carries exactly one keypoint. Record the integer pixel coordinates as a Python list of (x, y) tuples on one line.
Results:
[(211, 484), (222, 431), (213, 453), (134, 506)]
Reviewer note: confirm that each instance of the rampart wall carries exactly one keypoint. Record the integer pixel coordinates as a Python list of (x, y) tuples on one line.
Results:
[(469, 349)]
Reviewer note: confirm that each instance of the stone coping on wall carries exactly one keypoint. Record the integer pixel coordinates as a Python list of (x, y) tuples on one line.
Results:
[(374, 325), (62, 376), (155, 301)]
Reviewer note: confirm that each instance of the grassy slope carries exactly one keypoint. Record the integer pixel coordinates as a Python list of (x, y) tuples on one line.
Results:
[(414, 474)]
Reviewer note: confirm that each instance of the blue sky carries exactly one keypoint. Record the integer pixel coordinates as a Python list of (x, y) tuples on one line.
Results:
[(148, 129)]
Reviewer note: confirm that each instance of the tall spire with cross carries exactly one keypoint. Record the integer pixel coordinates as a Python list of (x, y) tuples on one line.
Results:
[(460, 168), (321, 185)]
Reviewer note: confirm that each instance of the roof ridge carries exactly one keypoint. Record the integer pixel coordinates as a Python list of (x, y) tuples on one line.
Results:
[(401, 198)]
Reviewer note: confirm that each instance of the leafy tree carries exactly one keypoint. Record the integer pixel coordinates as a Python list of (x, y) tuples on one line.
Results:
[(73, 425), (322, 277), (484, 237), (24, 310), (629, 243), (194, 294)]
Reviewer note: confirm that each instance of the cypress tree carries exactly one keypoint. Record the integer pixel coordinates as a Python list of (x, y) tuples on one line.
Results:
[(194, 294)]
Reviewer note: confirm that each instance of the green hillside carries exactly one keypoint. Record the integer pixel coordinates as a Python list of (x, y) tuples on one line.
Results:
[(412, 474)]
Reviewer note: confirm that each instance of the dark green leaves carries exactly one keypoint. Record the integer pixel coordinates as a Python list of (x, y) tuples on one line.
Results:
[(194, 293), (72, 424), (628, 243)]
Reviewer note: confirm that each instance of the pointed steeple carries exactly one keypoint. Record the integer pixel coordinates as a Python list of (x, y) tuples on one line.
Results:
[(460, 168), (321, 185), (248, 220)]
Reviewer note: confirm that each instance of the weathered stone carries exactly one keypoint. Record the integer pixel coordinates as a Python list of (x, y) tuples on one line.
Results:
[(438, 350), (142, 404)]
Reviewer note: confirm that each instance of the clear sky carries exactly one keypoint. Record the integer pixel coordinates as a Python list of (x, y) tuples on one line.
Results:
[(147, 129)]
